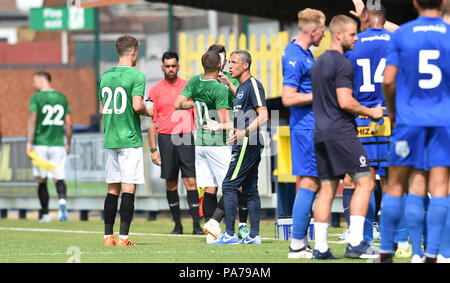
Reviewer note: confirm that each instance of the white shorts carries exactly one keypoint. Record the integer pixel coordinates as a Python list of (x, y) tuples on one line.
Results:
[(56, 155), (211, 165), (125, 165)]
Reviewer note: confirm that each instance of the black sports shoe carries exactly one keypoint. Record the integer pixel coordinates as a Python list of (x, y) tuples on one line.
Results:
[(385, 258), (430, 260), (322, 256), (178, 230), (198, 230)]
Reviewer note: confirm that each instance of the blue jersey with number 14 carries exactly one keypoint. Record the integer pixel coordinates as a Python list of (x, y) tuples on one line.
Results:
[(369, 61), (421, 51)]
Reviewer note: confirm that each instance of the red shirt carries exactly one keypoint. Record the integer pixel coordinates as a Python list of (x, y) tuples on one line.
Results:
[(169, 120)]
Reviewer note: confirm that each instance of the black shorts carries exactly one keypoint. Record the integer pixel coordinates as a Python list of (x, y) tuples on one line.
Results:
[(177, 153), (334, 158)]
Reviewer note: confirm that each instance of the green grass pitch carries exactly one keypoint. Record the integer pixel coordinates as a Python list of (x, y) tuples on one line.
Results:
[(82, 241)]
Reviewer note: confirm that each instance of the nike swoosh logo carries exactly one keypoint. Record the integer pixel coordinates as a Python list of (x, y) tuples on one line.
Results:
[(173, 204), (246, 242), (227, 240)]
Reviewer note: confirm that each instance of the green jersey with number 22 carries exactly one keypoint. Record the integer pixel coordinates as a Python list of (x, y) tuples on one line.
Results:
[(51, 108)]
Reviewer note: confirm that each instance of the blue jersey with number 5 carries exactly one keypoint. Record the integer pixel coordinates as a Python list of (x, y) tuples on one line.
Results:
[(421, 51), (369, 61)]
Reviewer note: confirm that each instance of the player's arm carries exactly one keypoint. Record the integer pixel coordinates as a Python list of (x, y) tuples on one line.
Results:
[(389, 88), (223, 124), (290, 97), (69, 131), (139, 106), (349, 104), (261, 119), (156, 158), (182, 103), (224, 79), (31, 129), (359, 7)]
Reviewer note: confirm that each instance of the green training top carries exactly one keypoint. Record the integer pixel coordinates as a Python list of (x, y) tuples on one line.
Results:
[(51, 107), (209, 95), (122, 126)]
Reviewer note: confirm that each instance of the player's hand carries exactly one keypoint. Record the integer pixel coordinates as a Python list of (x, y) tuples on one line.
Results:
[(363, 117), (223, 79), (29, 148), (150, 111), (238, 135), (377, 112), (156, 158), (359, 7), (68, 149), (212, 125)]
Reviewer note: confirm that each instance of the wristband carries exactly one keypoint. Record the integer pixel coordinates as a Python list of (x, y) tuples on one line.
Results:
[(153, 149)]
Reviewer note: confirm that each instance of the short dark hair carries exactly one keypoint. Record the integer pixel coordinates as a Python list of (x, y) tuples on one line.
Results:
[(44, 74), (217, 47), (169, 55), (379, 11), (210, 61), (429, 4), (125, 44), (245, 56)]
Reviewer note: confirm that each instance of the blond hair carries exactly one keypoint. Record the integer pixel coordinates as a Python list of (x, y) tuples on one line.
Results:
[(309, 16)]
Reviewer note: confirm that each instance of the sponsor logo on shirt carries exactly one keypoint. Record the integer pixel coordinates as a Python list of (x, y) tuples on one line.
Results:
[(436, 28), (385, 37)]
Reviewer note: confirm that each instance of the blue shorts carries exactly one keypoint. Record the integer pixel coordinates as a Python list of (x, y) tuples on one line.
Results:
[(377, 149), (420, 147), (302, 153)]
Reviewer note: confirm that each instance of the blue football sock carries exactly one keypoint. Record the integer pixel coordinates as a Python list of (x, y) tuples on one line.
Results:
[(347, 195), (437, 212), (391, 211), (402, 231), (444, 249), (301, 212), (415, 216), (370, 218), (425, 235)]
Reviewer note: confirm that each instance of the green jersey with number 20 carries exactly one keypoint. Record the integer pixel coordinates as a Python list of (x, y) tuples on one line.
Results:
[(122, 126), (51, 107), (209, 95)]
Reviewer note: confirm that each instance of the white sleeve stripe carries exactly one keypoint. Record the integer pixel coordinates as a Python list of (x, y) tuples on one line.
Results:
[(256, 90)]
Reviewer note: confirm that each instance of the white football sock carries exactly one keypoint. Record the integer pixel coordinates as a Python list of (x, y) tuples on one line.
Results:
[(321, 234), (123, 237), (356, 230), (297, 244), (403, 245)]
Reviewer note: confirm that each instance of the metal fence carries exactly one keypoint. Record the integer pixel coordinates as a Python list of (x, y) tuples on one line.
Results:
[(85, 178)]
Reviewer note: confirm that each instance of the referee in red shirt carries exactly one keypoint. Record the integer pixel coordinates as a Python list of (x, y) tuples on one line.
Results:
[(175, 141)]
